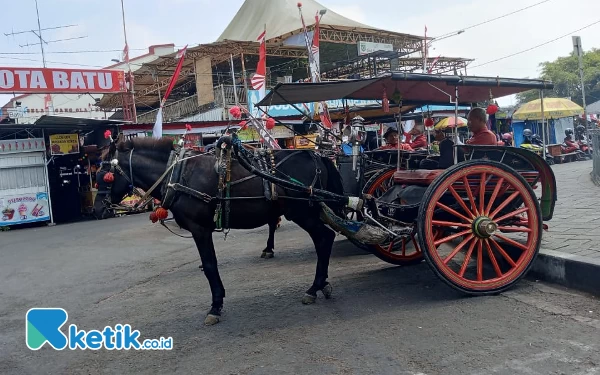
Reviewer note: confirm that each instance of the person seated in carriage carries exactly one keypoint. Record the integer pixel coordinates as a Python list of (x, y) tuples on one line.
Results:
[(476, 123), (418, 138), (391, 140)]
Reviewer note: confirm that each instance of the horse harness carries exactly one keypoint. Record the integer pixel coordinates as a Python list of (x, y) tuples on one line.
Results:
[(265, 160)]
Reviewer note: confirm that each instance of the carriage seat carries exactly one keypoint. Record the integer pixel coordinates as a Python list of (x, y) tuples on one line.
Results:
[(416, 177)]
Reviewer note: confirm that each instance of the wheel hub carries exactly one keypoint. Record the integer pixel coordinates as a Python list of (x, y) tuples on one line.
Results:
[(484, 227)]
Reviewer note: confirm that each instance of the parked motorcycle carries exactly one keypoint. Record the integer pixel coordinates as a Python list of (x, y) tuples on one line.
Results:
[(533, 143), (570, 146), (582, 141)]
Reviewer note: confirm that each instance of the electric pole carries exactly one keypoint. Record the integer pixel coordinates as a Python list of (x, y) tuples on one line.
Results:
[(578, 49)]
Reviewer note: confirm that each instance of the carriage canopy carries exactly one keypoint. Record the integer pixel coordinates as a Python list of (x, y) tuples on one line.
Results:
[(413, 88)]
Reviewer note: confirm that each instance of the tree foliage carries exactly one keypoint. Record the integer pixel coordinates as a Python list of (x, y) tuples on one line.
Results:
[(564, 73)]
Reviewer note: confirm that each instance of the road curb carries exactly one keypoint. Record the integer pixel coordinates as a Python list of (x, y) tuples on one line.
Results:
[(569, 270)]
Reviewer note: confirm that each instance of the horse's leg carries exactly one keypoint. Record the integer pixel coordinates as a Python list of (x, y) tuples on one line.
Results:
[(268, 251), (206, 248), (323, 238)]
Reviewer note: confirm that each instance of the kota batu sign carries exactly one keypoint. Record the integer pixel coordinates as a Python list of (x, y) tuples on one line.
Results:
[(51, 80)]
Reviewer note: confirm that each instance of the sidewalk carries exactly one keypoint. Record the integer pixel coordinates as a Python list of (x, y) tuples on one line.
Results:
[(570, 253)]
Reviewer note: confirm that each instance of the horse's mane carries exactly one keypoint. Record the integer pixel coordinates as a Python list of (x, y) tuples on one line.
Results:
[(162, 145)]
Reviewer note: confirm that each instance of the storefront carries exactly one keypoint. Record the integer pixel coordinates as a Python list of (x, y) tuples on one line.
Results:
[(24, 187), (48, 169)]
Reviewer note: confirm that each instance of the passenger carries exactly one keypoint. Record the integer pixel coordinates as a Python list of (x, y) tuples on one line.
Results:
[(446, 149), (391, 140), (419, 140), (476, 122)]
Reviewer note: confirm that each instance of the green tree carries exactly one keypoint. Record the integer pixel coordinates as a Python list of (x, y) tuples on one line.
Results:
[(564, 73)]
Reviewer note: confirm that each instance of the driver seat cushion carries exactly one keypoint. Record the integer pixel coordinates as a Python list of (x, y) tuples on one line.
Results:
[(416, 177)]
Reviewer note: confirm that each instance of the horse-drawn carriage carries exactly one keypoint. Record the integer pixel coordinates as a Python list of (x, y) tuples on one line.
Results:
[(478, 224), (484, 208)]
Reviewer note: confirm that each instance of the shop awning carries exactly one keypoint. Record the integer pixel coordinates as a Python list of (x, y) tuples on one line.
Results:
[(69, 124), (416, 89)]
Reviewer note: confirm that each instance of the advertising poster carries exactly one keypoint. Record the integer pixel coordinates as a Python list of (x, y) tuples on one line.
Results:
[(24, 208), (62, 144)]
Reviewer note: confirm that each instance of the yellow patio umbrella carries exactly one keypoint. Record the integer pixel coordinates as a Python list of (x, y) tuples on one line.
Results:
[(448, 122), (553, 108)]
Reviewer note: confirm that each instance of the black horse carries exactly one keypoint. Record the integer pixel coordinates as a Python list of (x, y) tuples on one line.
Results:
[(104, 213), (144, 161)]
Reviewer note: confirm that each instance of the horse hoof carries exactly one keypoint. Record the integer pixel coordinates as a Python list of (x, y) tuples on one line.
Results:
[(328, 291), (308, 299), (211, 320), (267, 255)]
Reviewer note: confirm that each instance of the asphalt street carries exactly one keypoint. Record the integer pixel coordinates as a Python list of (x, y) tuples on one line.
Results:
[(382, 319)]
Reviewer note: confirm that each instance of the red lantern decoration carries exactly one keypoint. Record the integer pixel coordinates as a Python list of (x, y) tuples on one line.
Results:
[(161, 213), (236, 112), (270, 123), (188, 127), (492, 109), (109, 178), (244, 125), (428, 122), (107, 134), (299, 5), (153, 217)]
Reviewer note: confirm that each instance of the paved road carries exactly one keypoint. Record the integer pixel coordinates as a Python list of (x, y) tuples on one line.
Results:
[(575, 228), (382, 320)]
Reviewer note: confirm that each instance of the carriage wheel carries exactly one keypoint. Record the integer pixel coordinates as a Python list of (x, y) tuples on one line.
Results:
[(490, 220), (402, 251)]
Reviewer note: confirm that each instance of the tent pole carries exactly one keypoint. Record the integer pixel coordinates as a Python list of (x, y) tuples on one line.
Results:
[(543, 127), (48, 181)]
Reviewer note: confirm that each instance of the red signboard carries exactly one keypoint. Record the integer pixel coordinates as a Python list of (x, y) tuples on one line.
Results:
[(56, 80)]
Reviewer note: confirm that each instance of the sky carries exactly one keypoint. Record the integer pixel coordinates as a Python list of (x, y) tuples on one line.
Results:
[(201, 21)]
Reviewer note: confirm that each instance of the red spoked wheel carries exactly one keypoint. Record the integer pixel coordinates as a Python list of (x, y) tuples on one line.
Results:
[(480, 226), (404, 250)]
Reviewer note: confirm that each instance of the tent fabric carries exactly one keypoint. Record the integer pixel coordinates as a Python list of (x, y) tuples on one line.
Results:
[(281, 18), (414, 89), (594, 108)]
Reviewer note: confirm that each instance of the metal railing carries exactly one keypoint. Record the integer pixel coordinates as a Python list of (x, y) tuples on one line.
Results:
[(225, 97), (594, 137), (223, 94)]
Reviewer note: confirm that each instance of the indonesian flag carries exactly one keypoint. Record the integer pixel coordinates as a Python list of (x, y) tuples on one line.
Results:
[(157, 130), (126, 53), (433, 64), (315, 51), (258, 80)]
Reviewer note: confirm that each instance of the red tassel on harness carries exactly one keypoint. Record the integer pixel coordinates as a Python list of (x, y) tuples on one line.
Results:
[(161, 213), (109, 178)]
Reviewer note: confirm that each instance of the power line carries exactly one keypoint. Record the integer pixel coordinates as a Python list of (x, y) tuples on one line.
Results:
[(539, 45), (492, 19)]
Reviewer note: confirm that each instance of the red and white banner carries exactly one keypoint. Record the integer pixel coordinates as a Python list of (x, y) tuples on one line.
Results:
[(56, 80)]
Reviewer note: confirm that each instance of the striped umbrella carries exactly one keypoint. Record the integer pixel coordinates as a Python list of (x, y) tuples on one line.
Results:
[(448, 122)]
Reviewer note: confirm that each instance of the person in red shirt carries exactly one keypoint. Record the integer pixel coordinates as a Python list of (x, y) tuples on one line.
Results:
[(476, 122), (391, 140), (419, 140)]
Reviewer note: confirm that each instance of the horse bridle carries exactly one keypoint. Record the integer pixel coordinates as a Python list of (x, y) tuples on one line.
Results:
[(114, 166)]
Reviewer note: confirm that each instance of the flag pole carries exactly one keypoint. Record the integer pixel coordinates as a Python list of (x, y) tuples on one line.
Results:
[(129, 65)]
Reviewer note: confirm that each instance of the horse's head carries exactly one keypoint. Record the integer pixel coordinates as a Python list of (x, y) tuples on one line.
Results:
[(113, 182)]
